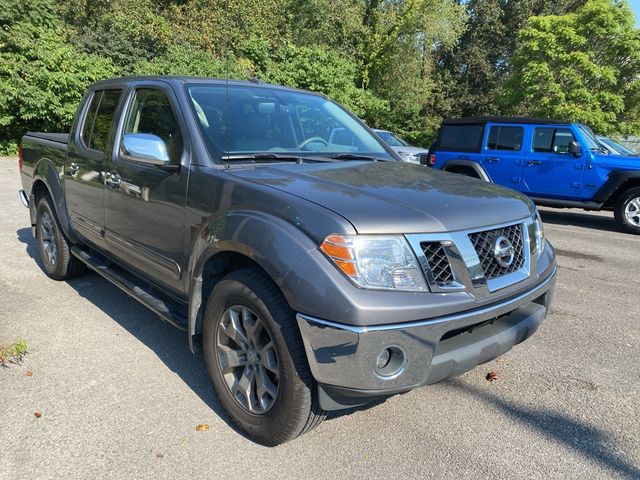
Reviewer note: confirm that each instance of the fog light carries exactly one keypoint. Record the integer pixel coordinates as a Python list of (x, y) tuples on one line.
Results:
[(390, 362)]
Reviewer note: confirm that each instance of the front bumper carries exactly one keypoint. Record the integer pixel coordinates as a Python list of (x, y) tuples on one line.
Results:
[(342, 357)]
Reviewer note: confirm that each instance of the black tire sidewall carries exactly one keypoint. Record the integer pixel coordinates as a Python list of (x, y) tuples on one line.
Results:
[(236, 290), (58, 269), (619, 211)]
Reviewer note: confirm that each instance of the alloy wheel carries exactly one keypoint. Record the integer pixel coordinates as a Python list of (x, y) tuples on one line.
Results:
[(632, 211), (47, 238), (247, 359)]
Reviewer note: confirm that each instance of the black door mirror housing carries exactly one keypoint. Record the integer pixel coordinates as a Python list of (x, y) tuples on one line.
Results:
[(575, 149)]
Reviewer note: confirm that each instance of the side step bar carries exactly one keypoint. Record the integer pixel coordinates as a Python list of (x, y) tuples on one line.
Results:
[(157, 302)]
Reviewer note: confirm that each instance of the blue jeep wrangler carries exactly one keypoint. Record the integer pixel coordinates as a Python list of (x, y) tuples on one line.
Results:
[(557, 164)]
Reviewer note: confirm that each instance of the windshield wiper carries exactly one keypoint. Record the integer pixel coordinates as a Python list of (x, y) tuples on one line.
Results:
[(354, 156), (263, 157)]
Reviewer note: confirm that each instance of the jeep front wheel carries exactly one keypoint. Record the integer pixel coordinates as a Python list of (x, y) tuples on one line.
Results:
[(627, 211)]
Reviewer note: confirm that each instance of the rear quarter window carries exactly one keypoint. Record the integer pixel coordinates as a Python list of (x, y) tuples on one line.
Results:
[(461, 138)]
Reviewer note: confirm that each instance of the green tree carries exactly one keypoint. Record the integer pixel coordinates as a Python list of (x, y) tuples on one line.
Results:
[(471, 76), (583, 66), (42, 78)]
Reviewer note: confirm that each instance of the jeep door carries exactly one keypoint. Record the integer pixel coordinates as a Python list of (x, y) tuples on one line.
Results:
[(145, 215), (550, 169), (503, 154)]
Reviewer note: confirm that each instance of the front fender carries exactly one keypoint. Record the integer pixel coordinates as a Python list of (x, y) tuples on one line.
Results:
[(45, 171), (274, 244)]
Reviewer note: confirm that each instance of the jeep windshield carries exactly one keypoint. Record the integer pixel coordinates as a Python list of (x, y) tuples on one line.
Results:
[(245, 122)]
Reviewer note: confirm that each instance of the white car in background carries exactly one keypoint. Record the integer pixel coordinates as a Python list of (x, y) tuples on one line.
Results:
[(407, 152)]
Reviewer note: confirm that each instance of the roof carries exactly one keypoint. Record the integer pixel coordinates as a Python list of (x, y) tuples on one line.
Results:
[(194, 80), (499, 119)]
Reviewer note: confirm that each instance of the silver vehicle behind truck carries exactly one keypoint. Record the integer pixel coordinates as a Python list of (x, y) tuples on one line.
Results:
[(313, 269)]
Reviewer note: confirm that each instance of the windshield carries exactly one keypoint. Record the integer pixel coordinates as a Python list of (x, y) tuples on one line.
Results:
[(590, 138), (391, 139), (254, 119), (618, 147)]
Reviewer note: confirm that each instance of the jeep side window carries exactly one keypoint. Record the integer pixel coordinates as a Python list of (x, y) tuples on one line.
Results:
[(505, 138), (552, 140), (99, 119), (151, 112)]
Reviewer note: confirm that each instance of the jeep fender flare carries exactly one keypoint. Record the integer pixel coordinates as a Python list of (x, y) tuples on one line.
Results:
[(272, 243), (475, 166), (617, 182), (45, 172)]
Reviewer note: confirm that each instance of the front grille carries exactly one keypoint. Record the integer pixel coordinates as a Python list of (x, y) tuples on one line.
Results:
[(438, 263), (424, 158), (484, 243)]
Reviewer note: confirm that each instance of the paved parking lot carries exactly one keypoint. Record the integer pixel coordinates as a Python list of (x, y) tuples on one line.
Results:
[(120, 394)]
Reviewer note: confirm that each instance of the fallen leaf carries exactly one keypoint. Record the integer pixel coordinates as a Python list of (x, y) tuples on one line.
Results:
[(159, 455), (491, 376), (37, 414), (28, 373), (203, 427)]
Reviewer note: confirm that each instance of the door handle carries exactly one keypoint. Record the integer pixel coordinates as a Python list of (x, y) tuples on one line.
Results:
[(531, 163), (492, 160), (73, 168)]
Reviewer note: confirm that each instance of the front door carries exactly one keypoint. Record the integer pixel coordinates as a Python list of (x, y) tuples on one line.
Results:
[(550, 170), (86, 163), (145, 214)]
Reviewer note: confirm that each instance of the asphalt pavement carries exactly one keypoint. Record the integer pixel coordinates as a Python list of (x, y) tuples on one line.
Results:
[(120, 395)]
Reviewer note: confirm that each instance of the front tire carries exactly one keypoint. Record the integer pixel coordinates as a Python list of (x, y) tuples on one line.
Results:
[(55, 251), (256, 359), (627, 211)]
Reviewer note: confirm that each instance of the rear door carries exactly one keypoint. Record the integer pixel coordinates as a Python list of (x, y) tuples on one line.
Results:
[(503, 153), (86, 163), (550, 170), (145, 215)]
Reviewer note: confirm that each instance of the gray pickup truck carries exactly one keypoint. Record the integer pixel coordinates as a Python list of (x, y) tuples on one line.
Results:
[(314, 275)]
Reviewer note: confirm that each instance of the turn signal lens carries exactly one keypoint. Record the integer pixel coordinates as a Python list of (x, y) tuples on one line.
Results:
[(376, 261)]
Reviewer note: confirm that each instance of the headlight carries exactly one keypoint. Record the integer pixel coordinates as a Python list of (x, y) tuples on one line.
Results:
[(539, 232), (409, 157), (376, 261)]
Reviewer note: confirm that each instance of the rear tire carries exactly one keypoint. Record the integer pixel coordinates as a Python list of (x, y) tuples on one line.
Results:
[(55, 251), (627, 211), (256, 359)]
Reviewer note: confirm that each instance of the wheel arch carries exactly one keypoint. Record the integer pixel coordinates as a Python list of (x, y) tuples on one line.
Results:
[(617, 184), (466, 167), (46, 181), (236, 240)]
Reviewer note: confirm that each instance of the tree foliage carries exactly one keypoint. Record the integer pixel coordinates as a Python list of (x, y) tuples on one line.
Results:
[(581, 66), (399, 64)]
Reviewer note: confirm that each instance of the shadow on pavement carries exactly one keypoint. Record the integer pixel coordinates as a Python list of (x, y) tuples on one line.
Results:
[(167, 342), (587, 440), (579, 219)]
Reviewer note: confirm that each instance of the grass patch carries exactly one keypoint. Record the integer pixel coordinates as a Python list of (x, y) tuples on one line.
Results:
[(13, 353)]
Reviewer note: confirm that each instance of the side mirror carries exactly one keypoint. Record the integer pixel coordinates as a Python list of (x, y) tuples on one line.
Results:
[(146, 148), (575, 149)]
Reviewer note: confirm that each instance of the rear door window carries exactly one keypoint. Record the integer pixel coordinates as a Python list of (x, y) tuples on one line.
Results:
[(505, 138), (99, 119), (461, 138), (552, 140)]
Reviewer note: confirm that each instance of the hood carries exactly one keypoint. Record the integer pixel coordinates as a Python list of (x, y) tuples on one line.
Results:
[(412, 150), (622, 161), (395, 197)]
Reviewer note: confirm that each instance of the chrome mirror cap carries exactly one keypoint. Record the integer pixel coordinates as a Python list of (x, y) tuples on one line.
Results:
[(145, 147)]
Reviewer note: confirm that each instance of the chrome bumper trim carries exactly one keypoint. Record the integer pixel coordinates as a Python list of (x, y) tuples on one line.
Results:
[(495, 310)]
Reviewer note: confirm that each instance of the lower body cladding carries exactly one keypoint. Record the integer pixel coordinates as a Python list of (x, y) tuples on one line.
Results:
[(355, 365)]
